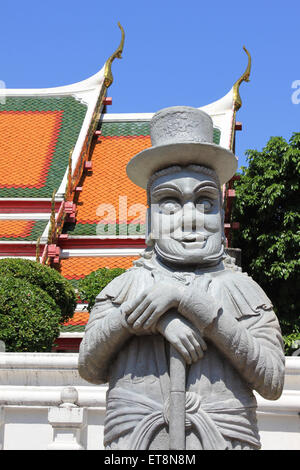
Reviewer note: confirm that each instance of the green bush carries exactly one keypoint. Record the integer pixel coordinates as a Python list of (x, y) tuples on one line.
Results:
[(29, 317), (51, 281), (90, 286)]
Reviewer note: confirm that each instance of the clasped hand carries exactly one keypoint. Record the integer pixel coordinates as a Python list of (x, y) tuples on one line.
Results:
[(148, 307), (145, 312)]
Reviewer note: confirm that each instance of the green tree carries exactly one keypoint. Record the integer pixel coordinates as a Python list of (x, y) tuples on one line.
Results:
[(48, 279), (29, 317), (90, 286), (34, 301), (267, 206)]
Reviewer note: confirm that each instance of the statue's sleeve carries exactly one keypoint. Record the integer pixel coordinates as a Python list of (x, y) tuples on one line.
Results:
[(106, 331), (246, 331)]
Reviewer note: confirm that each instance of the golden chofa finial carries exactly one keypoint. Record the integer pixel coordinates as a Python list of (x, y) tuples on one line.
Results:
[(108, 77), (237, 101)]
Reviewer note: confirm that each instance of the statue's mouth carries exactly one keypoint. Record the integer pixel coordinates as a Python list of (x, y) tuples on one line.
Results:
[(190, 238), (193, 240)]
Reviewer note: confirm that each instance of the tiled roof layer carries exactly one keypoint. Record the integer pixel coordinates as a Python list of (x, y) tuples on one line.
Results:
[(21, 230), (36, 136), (77, 267), (79, 319)]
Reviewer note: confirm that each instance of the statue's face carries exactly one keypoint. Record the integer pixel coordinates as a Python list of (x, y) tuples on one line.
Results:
[(186, 218)]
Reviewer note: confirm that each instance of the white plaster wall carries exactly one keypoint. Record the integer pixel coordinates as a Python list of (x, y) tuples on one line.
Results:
[(279, 421), (31, 386)]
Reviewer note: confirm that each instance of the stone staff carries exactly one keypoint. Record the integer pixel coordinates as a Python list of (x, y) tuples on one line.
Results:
[(177, 400)]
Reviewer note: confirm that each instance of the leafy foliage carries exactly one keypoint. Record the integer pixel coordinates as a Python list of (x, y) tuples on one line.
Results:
[(29, 317), (291, 343), (90, 286), (267, 207), (51, 281)]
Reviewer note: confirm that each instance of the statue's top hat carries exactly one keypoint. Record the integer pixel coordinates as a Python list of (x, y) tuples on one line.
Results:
[(181, 135)]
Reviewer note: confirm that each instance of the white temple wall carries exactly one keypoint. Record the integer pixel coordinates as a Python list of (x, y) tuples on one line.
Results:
[(44, 404)]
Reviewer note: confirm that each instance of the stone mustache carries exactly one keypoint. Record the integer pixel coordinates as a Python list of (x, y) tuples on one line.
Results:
[(182, 337)]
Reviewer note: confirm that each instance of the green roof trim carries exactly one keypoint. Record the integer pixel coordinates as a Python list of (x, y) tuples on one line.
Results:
[(71, 328), (137, 128), (216, 136), (72, 119), (124, 128), (108, 229)]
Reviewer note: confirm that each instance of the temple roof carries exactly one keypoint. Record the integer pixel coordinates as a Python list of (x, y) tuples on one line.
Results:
[(65, 197), (42, 133), (45, 139)]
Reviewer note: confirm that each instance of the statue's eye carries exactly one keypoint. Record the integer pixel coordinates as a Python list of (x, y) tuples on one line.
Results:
[(204, 205), (169, 206)]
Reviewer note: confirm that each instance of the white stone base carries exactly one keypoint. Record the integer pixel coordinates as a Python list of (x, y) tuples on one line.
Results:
[(39, 410)]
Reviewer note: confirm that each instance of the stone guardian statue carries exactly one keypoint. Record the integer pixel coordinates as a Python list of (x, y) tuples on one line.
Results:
[(182, 296)]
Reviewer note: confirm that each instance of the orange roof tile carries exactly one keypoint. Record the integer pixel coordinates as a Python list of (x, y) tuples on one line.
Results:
[(79, 318), (80, 266), (109, 180), (27, 142), (15, 228)]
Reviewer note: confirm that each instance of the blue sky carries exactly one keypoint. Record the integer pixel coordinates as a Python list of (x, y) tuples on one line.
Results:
[(176, 53)]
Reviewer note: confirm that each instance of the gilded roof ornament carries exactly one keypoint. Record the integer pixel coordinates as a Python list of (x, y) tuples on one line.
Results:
[(237, 101), (69, 180), (52, 219), (116, 55), (37, 250)]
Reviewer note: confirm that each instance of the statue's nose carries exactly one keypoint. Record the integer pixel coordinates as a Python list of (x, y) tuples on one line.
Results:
[(189, 217)]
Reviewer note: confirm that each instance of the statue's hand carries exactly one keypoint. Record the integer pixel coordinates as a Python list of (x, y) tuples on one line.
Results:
[(198, 306), (146, 309), (186, 339)]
